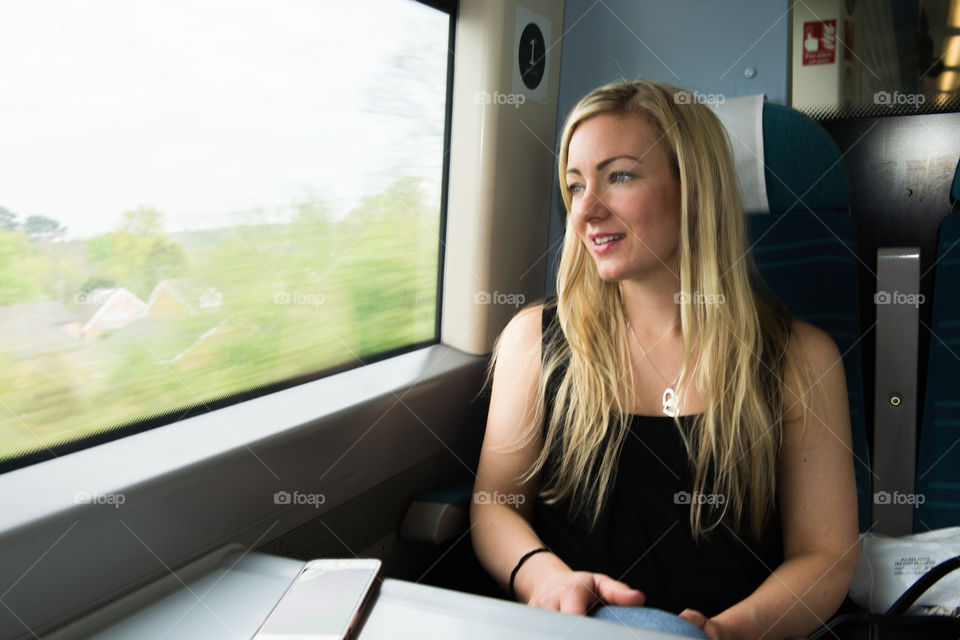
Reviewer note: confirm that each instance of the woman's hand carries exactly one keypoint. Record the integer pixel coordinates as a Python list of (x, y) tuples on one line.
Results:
[(578, 591), (709, 627)]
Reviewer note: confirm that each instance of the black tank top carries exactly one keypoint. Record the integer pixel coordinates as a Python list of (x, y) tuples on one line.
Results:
[(643, 536)]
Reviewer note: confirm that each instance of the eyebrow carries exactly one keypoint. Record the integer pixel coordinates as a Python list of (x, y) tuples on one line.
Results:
[(602, 165)]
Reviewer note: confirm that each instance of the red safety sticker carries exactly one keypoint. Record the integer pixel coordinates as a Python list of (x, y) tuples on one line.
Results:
[(819, 42)]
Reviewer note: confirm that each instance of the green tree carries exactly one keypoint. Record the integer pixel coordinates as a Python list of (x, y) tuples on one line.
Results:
[(15, 285), (96, 283), (8, 220), (143, 222), (388, 263), (162, 259), (43, 228), (137, 256)]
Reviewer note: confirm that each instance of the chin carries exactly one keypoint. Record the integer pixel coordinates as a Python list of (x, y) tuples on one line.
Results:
[(609, 274), (610, 278)]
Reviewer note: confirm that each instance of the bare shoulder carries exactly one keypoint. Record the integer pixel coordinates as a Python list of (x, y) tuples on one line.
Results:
[(815, 381), (522, 335), (814, 349), (515, 380)]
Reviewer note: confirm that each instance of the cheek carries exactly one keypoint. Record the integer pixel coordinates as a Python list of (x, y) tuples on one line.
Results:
[(654, 220), (638, 210)]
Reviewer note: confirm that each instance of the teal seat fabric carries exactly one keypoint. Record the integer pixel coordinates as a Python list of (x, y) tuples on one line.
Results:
[(806, 252), (803, 166), (955, 188), (938, 456), (456, 494), (809, 262)]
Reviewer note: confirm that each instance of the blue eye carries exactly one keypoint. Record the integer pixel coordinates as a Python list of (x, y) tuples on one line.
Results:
[(575, 188), (621, 176)]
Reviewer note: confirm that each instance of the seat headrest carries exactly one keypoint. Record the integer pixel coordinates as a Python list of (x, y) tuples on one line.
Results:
[(742, 118), (804, 168)]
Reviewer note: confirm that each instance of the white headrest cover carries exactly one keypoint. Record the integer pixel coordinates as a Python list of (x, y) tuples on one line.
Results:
[(743, 119)]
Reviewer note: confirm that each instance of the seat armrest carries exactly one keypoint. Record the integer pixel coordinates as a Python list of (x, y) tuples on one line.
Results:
[(438, 515)]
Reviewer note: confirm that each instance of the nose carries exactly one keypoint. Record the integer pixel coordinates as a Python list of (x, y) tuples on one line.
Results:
[(590, 205)]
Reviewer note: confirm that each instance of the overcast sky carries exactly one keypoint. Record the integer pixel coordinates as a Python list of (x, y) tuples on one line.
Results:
[(206, 109)]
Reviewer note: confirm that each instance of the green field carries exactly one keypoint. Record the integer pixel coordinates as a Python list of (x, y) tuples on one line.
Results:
[(277, 301)]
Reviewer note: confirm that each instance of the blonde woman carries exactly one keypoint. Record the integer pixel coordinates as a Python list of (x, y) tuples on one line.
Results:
[(679, 442)]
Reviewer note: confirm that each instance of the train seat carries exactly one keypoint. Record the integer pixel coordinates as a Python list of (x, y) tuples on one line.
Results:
[(938, 459), (806, 252)]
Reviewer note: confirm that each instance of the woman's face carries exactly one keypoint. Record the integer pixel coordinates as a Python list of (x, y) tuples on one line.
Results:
[(625, 196)]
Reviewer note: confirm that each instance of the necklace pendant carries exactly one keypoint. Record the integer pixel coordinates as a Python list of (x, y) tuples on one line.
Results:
[(671, 402)]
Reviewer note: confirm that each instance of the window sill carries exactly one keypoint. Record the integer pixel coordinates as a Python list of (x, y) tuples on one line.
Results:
[(82, 529)]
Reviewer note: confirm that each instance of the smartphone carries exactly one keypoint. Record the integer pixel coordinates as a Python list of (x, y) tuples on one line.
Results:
[(324, 602)]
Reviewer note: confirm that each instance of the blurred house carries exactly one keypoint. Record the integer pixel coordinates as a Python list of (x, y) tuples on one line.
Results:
[(103, 310), (180, 297)]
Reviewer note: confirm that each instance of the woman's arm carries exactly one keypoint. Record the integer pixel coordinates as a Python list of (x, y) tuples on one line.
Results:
[(501, 528), (818, 505)]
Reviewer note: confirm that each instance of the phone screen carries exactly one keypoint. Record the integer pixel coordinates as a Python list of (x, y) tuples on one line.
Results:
[(322, 602)]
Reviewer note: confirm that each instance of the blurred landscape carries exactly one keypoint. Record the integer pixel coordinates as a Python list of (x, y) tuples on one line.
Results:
[(136, 322)]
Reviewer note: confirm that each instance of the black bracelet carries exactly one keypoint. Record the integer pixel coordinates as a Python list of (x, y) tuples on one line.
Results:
[(513, 574)]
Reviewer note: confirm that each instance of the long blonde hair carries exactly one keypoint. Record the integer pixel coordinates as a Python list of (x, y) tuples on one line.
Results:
[(734, 343)]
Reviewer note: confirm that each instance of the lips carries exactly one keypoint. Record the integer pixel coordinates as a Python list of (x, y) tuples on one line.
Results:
[(605, 242), (607, 238)]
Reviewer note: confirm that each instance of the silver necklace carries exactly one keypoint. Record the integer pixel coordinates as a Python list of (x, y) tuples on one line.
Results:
[(670, 398)]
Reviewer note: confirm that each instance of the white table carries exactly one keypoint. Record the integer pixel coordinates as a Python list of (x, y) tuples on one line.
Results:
[(228, 594)]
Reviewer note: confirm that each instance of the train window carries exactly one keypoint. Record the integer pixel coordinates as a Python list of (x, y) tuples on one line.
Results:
[(202, 201)]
